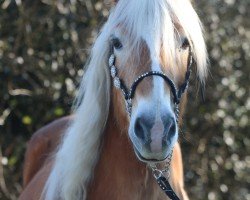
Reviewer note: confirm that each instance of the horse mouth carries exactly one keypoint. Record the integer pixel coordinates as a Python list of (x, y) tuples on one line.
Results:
[(146, 160)]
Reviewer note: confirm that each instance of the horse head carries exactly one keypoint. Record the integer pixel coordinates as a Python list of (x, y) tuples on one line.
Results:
[(150, 64)]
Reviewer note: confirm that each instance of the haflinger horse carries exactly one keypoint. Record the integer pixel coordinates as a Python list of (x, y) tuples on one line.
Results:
[(122, 141)]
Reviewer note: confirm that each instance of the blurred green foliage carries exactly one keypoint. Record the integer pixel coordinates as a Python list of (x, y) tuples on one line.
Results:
[(218, 130), (43, 48)]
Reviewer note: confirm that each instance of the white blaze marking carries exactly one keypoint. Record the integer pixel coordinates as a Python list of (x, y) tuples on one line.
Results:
[(157, 135), (159, 100)]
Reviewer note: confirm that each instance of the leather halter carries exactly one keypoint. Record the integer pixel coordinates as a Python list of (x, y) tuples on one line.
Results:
[(129, 93)]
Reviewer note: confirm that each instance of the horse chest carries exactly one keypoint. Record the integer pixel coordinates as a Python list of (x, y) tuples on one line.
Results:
[(121, 188), (119, 176)]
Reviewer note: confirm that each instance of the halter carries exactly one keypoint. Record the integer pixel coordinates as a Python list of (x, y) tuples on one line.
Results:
[(177, 94), (129, 93)]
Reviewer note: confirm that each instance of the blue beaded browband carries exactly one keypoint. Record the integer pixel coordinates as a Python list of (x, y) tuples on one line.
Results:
[(129, 93)]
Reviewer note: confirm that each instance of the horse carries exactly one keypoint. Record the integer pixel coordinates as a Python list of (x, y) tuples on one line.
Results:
[(122, 140)]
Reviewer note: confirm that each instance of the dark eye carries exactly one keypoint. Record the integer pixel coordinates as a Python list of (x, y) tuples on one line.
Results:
[(116, 43), (185, 43)]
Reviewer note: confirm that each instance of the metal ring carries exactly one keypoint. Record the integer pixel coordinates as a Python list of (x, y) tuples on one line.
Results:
[(157, 173)]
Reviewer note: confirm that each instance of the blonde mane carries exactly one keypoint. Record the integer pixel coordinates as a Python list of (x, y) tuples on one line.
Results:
[(78, 154)]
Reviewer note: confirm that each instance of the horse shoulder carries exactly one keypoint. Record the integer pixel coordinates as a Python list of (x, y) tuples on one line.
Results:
[(33, 190), (42, 144)]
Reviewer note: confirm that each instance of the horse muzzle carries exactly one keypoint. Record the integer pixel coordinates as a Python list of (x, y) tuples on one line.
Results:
[(153, 137)]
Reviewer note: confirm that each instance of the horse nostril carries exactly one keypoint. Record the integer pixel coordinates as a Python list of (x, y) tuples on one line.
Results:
[(170, 128), (141, 130)]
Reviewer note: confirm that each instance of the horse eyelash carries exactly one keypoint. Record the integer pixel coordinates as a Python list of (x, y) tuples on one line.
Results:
[(185, 43), (116, 43)]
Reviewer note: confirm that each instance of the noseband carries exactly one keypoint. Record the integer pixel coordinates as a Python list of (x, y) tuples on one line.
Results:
[(129, 93)]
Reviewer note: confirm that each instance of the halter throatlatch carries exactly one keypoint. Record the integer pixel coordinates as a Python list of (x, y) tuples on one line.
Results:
[(129, 93), (161, 175)]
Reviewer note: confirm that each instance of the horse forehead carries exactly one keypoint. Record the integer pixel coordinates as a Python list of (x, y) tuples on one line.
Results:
[(147, 54)]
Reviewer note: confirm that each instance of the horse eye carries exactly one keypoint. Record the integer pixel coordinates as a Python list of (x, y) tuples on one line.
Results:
[(185, 43), (117, 43)]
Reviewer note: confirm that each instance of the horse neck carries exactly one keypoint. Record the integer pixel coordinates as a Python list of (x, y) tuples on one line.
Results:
[(118, 170)]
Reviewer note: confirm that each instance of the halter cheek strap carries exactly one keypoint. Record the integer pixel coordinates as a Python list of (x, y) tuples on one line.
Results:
[(129, 93)]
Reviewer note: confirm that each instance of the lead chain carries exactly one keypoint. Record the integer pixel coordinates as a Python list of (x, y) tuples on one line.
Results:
[(157, 172)]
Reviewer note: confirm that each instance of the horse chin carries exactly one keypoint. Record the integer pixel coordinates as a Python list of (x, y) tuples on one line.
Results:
[(148, 160)]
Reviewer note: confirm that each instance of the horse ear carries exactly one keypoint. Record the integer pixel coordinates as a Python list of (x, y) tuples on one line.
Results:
[(111, 2)]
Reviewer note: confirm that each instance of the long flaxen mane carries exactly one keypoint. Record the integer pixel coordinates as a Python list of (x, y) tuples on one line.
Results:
[(78, 154)]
